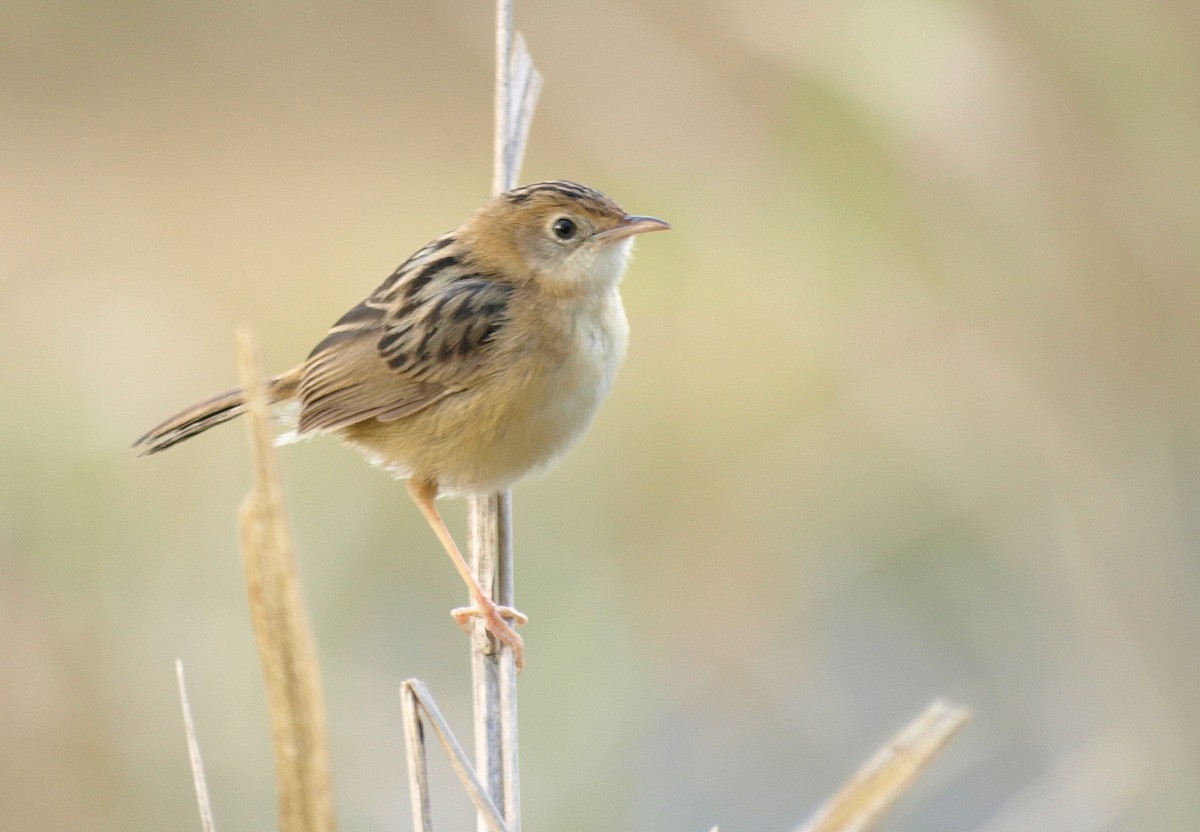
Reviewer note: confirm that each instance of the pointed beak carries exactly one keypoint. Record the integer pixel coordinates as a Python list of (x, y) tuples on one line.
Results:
[(632, 225)]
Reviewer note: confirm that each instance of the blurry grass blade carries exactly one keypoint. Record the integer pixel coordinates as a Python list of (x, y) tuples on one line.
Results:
[(189, 727), (875, 787), (285, 642)]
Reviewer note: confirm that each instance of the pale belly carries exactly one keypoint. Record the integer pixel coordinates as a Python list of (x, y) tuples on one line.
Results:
[(487, 439)]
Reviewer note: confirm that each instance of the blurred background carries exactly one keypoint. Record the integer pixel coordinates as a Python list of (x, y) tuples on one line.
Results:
[(910, 408)]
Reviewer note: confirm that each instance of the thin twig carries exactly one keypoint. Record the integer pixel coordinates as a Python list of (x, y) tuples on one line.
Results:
[(285, 641), (494, 686), (189, 728), (415, 699), (490, 545), (418, 767), (502, 172), (525, 86), (883, 778)]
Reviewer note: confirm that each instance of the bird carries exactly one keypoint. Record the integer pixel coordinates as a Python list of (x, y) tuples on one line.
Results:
[(480, 360)]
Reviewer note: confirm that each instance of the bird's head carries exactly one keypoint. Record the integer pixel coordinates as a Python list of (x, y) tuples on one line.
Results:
[(568, 237)]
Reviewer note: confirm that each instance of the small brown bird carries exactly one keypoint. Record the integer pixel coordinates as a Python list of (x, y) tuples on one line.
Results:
[(482, 358)]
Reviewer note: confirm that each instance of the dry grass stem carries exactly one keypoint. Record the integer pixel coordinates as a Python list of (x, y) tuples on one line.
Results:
[(875, 787), (494, 684), (189, 727), (518, 85), (493, 667), (418, 761), (416, 700), (285, 641)]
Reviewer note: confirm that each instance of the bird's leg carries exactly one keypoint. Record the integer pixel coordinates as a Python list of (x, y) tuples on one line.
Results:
[(424, 493)]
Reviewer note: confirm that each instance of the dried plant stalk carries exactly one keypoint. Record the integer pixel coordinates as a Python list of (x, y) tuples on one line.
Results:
[(494, 685), (198, 779), (875, 787), (285, 641), (415, 701)]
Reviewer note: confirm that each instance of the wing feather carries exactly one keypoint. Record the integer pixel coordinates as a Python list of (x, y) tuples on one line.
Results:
[(423, 335)]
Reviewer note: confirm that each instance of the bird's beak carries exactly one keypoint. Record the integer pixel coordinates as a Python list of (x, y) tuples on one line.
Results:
[(632, 225)]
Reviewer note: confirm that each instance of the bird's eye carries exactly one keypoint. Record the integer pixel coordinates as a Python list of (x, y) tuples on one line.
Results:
[(564, 228)]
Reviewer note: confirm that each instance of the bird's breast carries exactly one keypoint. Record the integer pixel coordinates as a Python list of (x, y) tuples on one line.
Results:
[(547, 399), (568, 391), (540, 397), (582, 380)]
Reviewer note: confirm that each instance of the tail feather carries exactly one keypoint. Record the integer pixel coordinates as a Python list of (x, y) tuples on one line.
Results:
[(192, 420), (208, 413)]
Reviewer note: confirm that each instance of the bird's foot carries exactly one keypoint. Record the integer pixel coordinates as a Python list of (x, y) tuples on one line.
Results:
[(494, 619)]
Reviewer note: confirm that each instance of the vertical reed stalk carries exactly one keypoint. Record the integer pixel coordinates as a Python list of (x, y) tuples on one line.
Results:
[(494, 677), (285, 640)]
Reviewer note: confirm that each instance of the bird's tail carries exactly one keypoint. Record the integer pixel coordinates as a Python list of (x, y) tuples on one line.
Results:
[(208, 413)]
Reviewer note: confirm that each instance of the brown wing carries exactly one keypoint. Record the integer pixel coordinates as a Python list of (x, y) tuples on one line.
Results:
[(425, 334)]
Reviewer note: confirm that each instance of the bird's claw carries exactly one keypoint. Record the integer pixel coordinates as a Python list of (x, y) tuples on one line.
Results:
[(495, 620)]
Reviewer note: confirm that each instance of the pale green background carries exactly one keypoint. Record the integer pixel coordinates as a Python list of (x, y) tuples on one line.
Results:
[(910, 408)]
